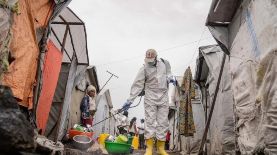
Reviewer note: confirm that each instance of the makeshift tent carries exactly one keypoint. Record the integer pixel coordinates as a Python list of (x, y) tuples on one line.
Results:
[(20, 44), (246, 31), (221, 129), (57, 8), (24, 49), (60, 31), (69, 35), (51, 70), (104, 105)]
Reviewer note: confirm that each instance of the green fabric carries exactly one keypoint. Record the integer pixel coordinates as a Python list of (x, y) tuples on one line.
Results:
[(187, 127)]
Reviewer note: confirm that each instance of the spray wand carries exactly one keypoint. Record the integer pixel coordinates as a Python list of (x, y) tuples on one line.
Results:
[(119, 111)]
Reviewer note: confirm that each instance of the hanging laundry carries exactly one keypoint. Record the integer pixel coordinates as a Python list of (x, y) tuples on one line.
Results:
[(187, 127)]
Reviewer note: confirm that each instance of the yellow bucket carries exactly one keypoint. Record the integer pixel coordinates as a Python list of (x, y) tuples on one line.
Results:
[(101, 139), (135, 142)]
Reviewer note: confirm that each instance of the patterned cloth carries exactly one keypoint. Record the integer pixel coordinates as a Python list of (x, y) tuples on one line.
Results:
[(86, 110), (187, 127), (85, 106)]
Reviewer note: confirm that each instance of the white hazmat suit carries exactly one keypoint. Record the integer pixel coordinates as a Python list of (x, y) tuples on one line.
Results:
[(156, 102)]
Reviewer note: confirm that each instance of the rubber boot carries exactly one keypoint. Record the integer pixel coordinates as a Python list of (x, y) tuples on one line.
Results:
[(160, 147), (149, 146)]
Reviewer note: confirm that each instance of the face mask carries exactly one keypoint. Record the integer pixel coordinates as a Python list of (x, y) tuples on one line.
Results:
[(152, 63)]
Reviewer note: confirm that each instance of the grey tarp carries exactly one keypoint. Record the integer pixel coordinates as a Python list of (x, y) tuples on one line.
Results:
[(57, 102), (222, 11), (252, 42), (71, 116), (104, 105), (67, 100), (221, 130)]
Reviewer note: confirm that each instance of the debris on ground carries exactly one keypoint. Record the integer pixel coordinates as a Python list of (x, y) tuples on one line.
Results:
[(16, 133)]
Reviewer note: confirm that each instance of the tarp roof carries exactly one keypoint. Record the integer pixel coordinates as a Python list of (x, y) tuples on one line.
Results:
[(93, 76), (222, 12), (69, 35), (202, 69)]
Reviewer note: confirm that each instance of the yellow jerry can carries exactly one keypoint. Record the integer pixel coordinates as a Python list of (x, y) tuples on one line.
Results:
[(135, 142)]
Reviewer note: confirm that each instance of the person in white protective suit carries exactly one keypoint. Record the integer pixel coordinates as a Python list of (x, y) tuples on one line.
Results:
[(153, 78)]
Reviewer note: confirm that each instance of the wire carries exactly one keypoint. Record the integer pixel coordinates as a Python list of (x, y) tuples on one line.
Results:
[(196, 50), (178, 46), (119, 61), (197, 46), (161, 51)]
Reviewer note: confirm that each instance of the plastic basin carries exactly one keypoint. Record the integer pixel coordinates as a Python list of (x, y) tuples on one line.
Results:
[(73, 133), (117, 148), (130, 140)]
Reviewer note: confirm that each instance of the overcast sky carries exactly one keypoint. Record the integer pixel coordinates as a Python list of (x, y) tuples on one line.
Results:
[(120, 31)]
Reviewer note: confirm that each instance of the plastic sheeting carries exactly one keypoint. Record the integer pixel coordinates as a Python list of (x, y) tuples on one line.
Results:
[(76, 41), (51, 70), (104, 105), (218, 14), (20, 76), (266, 85), (65, 111), (253, 45), (222, 127), (67, 99), (56, 107)]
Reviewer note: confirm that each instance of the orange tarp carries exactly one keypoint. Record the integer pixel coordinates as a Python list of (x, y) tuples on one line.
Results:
[(24, 48), (51, 70)]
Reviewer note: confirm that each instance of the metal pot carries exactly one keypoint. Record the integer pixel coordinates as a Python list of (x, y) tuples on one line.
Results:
[(82, 142)]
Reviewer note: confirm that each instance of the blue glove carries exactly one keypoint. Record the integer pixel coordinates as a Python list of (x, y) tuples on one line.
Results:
[(172, 80), (126, 106)]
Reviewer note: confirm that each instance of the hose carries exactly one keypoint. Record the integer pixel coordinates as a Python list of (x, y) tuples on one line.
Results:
[(119, 111)]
